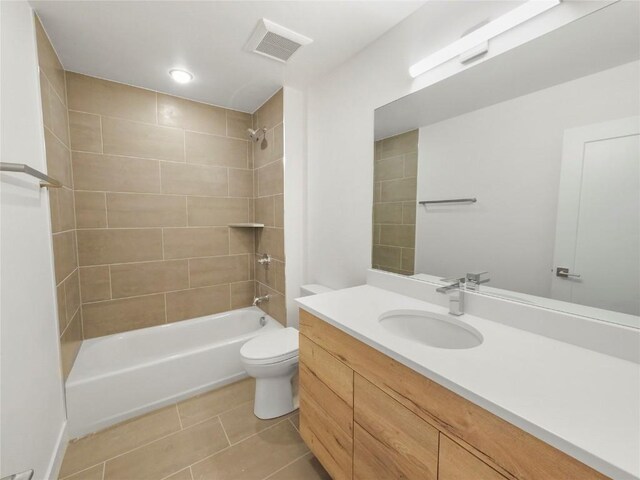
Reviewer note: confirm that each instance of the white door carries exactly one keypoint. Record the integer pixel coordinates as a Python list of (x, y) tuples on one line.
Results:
[(598, 226)]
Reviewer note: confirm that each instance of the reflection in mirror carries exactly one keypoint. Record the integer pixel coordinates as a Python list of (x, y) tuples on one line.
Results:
[(546, 137)]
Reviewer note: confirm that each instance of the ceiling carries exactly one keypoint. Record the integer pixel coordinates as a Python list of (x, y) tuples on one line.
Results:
[(603, 39), (138, 42)]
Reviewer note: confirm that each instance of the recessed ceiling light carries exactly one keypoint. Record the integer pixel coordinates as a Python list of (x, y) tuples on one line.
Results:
[(180, 76)]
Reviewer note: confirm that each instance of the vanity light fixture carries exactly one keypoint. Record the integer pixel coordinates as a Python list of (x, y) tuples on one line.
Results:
[(180, 76), (483, 34)]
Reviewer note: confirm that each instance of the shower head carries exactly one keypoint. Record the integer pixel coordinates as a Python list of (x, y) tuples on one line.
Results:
[(256, 134)]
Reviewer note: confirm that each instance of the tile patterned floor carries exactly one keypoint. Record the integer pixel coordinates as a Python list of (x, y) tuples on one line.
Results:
[(211, 436)]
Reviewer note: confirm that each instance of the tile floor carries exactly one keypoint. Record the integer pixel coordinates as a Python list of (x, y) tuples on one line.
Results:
[(211, 436)]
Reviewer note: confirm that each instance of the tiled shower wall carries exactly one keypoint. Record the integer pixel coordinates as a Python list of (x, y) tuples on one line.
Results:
[(268, 155), (394, 208), (63, 224), (157, 181)]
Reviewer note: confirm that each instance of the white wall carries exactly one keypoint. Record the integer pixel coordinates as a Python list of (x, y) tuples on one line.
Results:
[(340, 124), (508, 155), (32, 403), (294, 197)]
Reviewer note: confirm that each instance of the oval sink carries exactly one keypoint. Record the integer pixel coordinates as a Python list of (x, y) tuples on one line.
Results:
[(432, 329)]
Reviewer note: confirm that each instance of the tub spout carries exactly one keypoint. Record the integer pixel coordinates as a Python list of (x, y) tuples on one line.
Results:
[(258, 300)]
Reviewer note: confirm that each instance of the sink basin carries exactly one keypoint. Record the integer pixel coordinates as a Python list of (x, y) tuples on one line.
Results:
[(432, 329)]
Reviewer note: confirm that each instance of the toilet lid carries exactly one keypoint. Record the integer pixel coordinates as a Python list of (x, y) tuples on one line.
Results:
[(271, 347)]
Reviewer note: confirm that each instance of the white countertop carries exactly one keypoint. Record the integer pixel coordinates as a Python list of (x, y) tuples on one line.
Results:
[(582, 402)]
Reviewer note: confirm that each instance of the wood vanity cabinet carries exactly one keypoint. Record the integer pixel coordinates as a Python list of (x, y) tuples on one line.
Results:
[(365, 416)]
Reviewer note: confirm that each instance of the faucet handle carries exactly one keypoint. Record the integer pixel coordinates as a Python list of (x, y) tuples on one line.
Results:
[(474, 280)]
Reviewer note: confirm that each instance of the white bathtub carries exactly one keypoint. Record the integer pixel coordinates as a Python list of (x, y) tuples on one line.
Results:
[(120, 376)]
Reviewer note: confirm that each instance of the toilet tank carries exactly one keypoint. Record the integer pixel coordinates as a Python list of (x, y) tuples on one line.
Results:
[(313, 289)]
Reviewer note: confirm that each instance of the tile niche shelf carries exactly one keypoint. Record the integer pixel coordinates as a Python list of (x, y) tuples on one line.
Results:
[(246, 225)]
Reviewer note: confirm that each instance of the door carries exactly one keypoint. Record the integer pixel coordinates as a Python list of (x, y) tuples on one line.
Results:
[(598, 225)]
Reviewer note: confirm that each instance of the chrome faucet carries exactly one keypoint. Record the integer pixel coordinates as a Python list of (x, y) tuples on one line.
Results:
[(258, 300), (455, 291), (474, 280)]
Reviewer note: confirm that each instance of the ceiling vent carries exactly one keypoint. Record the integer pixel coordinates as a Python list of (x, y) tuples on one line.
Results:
[(275, 41)]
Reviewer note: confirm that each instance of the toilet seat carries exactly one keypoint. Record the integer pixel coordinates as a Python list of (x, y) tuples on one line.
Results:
[(272, 347)]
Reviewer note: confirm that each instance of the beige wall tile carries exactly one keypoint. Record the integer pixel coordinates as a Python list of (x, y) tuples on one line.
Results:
[(207, 405), (45, 91), (85, 132), (389, 169), (275, 306), (279, 210), (103, 97), (307, 467), (387, 212), (168, 455), (115, 174), (377, 192), (70, 342), (59, 118), (238, 123), (93, 473), (195, 242), (95, 284), (264, 210), (91, 210), (125, 137), (399, 144), (66, 209), (271, 113), (408, 259), (120, 438), (58, 159), (210, 211), (48, 61), (195, 116), (197, 302), (409, 213), (205, 149), (240, 183), (398, 235), (270, 179), (241, 240), (273, 277), (218, 270), (411, 164), (231, 464), (99, 247), (399, 190), (114, 316), (181, 475), (132, 279), (278, 141), (61, 303), (64, 254), (271, 241), (242, 294), (387, 256), (54, 211), (139, 210), (194, 180), (72, 294), (264, 150)]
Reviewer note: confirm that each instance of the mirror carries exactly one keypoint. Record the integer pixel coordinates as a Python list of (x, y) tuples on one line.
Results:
[(525, 166)]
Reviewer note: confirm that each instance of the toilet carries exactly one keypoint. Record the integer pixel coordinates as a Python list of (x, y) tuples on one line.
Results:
[(272, 359)]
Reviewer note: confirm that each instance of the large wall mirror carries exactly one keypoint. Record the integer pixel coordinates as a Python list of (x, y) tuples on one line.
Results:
[(525, 166)]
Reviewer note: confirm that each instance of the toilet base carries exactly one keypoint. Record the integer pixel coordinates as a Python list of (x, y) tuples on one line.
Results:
[(274, 397)]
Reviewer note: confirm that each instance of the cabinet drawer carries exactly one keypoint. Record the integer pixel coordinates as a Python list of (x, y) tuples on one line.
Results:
[(458, 464), (390, 441), (326, 409)]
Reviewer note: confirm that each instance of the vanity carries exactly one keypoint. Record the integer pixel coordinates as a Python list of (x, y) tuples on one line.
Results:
[(377, 402)]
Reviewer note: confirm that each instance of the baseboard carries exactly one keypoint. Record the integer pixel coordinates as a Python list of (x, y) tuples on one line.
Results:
[(61, 447)]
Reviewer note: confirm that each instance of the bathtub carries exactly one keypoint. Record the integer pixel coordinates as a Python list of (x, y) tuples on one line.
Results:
[(120, 376)]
